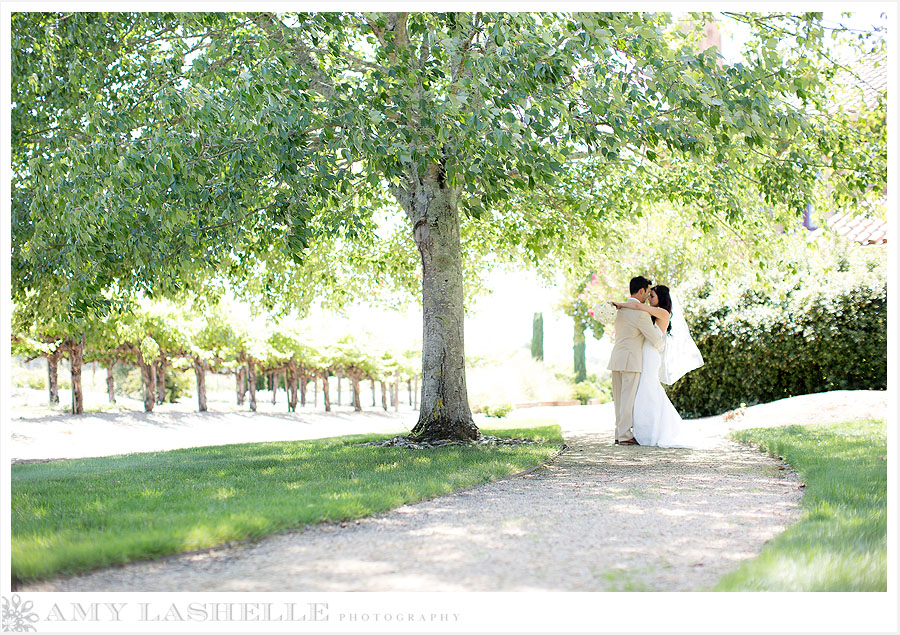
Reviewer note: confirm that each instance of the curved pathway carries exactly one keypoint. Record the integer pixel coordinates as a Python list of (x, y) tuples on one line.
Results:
[(599, 517)]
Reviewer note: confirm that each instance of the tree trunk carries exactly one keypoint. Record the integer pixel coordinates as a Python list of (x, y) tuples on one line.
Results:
[(273, 383), (325, 394), (239, 384), (397, 391), (373, 391), (200, 372), (251, 380), (580, 357), (409, 390), (154, 382), (315, 392), (338, 375), (290, 388), (287, 388), (53, 376), (110, 381), (149, 383), (384, 395), (304, 379), (76, 359), (445, 412), (354, 387), (161, 382)]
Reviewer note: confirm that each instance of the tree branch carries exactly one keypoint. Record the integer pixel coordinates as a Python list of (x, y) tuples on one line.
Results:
[(396, 23), (303, 54), (229, 223), (401, 37), (780, 160), (465, 48)]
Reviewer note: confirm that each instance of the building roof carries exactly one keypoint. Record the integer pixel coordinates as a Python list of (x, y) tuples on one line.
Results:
[(860, 82), (859, 229)]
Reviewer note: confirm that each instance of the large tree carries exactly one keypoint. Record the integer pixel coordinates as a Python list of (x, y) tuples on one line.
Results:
[(162, 152)]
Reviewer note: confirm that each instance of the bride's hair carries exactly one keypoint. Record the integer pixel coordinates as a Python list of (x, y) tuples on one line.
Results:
[(665, 302)]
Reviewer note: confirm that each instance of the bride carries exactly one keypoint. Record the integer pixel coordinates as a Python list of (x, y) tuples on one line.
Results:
[(655, 420)]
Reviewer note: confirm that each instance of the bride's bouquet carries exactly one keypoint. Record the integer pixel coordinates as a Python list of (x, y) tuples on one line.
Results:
[(604, 312)]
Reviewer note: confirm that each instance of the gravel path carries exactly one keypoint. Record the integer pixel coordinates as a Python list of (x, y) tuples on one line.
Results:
[(599, 517)]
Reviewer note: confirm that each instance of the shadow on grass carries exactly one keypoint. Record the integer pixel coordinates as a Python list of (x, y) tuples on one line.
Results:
[(177, 418), (73, 515)]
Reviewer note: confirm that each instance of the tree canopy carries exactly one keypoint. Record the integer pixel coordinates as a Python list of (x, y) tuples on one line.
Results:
[(161, 153)]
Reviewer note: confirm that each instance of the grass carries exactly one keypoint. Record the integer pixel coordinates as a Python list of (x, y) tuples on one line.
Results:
[(840, 544), (622, 580), (72, 516)]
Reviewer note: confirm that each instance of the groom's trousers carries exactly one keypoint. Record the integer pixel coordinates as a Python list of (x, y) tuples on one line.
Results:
[(624, 389)]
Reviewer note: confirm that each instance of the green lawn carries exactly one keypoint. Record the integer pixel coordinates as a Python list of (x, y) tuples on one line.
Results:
[(71, 516), (840, 544)]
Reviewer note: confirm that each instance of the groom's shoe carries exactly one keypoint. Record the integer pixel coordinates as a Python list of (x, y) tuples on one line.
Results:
[(627, 442)]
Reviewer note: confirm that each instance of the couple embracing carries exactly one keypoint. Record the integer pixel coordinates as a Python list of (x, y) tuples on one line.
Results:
[(652, 345)]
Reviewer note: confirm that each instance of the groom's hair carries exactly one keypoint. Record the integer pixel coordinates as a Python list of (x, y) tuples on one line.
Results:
[(638, 283)]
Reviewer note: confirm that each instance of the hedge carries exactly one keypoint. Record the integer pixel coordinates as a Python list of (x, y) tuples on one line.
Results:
[(813, 336)]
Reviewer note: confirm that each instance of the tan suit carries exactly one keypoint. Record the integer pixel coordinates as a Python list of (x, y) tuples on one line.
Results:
[(632, 328)]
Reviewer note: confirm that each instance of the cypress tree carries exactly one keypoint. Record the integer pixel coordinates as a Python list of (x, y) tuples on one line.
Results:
[(537, 337), (580, 357)]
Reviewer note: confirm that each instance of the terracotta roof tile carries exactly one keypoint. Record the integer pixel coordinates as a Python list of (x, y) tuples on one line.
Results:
[(865, 231), (864, 86)]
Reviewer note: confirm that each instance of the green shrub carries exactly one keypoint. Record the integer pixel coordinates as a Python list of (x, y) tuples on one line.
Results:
[(585, 390), (604, 388), (593, 388), (26, 378), (129, 382), (179, 383), (497, 411), (812, 332)]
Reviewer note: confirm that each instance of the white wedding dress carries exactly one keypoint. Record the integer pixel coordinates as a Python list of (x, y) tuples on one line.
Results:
[(655, 420)]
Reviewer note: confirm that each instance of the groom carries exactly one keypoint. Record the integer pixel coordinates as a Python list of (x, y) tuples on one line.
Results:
[(632, 328)]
